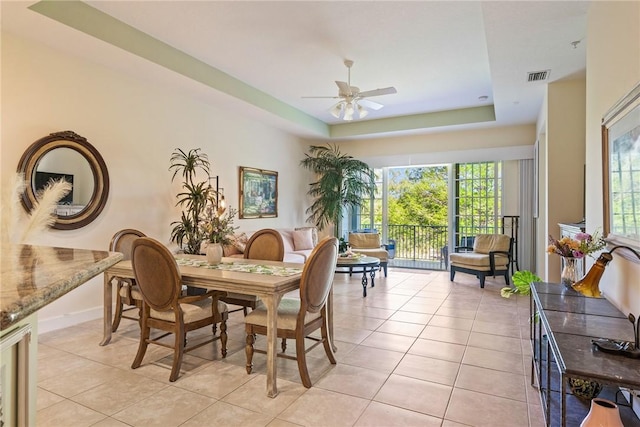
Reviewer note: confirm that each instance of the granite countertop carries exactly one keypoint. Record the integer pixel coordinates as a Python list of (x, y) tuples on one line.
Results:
[(35, 276)]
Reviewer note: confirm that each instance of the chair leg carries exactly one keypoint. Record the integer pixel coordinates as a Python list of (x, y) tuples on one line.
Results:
[(248, 349), (506, 277), (481, 276), (118, 314), (452, 274), (142, 347), (301, 357), (223, 337), (326, 342), (178, 351), (385, 269)]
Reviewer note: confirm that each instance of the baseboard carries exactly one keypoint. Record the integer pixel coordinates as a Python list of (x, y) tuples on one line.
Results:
[(59, 322)]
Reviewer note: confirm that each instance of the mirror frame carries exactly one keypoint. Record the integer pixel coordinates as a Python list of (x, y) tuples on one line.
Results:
[(67, 139)]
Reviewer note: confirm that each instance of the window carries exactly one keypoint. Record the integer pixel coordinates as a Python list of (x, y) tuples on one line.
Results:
[(478, 196)]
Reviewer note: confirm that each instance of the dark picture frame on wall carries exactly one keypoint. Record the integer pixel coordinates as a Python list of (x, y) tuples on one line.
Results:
[(621, 171), (258, 193)]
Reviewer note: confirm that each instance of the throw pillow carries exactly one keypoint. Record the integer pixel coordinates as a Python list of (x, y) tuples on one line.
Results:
[(240, 242), (314, 233), (302, 239)]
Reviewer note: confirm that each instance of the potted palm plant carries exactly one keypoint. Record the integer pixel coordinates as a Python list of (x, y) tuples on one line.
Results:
[(194, 198), (343, 182)]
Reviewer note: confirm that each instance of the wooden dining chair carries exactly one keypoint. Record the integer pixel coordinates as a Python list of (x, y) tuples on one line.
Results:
[(165, 308), (298, 318), (266, 245), (127, 292)]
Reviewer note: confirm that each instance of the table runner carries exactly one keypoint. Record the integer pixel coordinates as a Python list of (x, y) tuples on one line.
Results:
[(242, 267)]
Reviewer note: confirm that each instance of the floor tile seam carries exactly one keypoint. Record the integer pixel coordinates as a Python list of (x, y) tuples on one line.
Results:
[(413, 410), (355, 395), (524, 402), (502, 351), (71, 399), (428, 381), (67, 401), (462, 362), (459, 387), (399, 407)]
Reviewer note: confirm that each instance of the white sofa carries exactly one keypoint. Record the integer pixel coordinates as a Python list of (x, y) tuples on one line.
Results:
[(297, 247)]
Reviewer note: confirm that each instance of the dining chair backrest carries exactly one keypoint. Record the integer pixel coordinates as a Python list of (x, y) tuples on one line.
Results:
[(156, 273), (122, 241), (317, 276), (265, 244)]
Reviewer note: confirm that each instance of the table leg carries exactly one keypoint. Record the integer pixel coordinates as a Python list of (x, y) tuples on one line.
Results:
[(373, 275), (364, 281), (271, 302), (108, 303)]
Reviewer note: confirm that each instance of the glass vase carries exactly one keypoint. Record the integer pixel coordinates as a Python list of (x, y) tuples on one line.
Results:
[(603, 413), (569, 274)]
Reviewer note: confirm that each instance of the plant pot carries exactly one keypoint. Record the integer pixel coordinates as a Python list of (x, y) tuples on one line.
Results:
[(603, 413), (214, 253), (584, 389)]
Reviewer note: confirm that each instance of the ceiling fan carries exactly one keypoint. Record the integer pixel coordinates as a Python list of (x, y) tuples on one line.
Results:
[(352, 101)]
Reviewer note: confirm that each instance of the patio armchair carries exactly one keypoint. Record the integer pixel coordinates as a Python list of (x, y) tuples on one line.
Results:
[(489, 256), (369, 244)]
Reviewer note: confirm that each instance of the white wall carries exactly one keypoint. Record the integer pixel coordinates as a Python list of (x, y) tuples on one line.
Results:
[(135, 125), (613, 68)]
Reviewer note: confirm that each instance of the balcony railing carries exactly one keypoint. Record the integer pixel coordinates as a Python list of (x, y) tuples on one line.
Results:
[(419, 246)]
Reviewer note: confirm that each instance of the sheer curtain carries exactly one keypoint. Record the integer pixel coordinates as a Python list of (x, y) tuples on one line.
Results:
[(526, 241)]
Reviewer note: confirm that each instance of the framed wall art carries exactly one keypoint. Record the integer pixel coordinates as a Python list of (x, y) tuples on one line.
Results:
[(621, 171), (258, 193)]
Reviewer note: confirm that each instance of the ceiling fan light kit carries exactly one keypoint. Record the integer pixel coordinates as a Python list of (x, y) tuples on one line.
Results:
[(351, 98)]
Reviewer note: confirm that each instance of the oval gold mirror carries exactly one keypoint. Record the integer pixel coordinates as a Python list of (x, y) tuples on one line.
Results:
[(66, 155)]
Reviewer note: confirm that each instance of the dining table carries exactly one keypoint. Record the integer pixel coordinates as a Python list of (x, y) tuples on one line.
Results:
[(268, 280)]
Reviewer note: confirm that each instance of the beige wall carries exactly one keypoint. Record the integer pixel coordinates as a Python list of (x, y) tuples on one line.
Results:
[(135, 125), (613, 68), (506, 143), (563, 158)]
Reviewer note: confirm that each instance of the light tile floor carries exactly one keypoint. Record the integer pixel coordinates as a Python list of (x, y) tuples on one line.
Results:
[(419, 350)]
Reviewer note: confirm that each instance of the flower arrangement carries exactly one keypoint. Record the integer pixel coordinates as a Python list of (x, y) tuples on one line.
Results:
[(218, 227), (582, 245)]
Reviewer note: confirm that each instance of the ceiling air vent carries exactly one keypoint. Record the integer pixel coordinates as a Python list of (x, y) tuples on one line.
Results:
[(538, 76)]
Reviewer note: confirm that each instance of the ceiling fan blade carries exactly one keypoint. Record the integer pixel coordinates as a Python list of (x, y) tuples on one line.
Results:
[(370, 104), (330, 97), (344, 88), (378, 92)]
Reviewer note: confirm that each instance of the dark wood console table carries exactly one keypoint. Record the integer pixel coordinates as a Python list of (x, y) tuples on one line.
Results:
[(563, 324)]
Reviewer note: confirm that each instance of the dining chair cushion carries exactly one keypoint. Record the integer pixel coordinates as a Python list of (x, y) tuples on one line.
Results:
[(135, 292), (192, 311), (287, 314)]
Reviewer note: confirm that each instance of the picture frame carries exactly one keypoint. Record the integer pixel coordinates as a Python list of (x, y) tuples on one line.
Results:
[(621, 171), (258, 193)]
